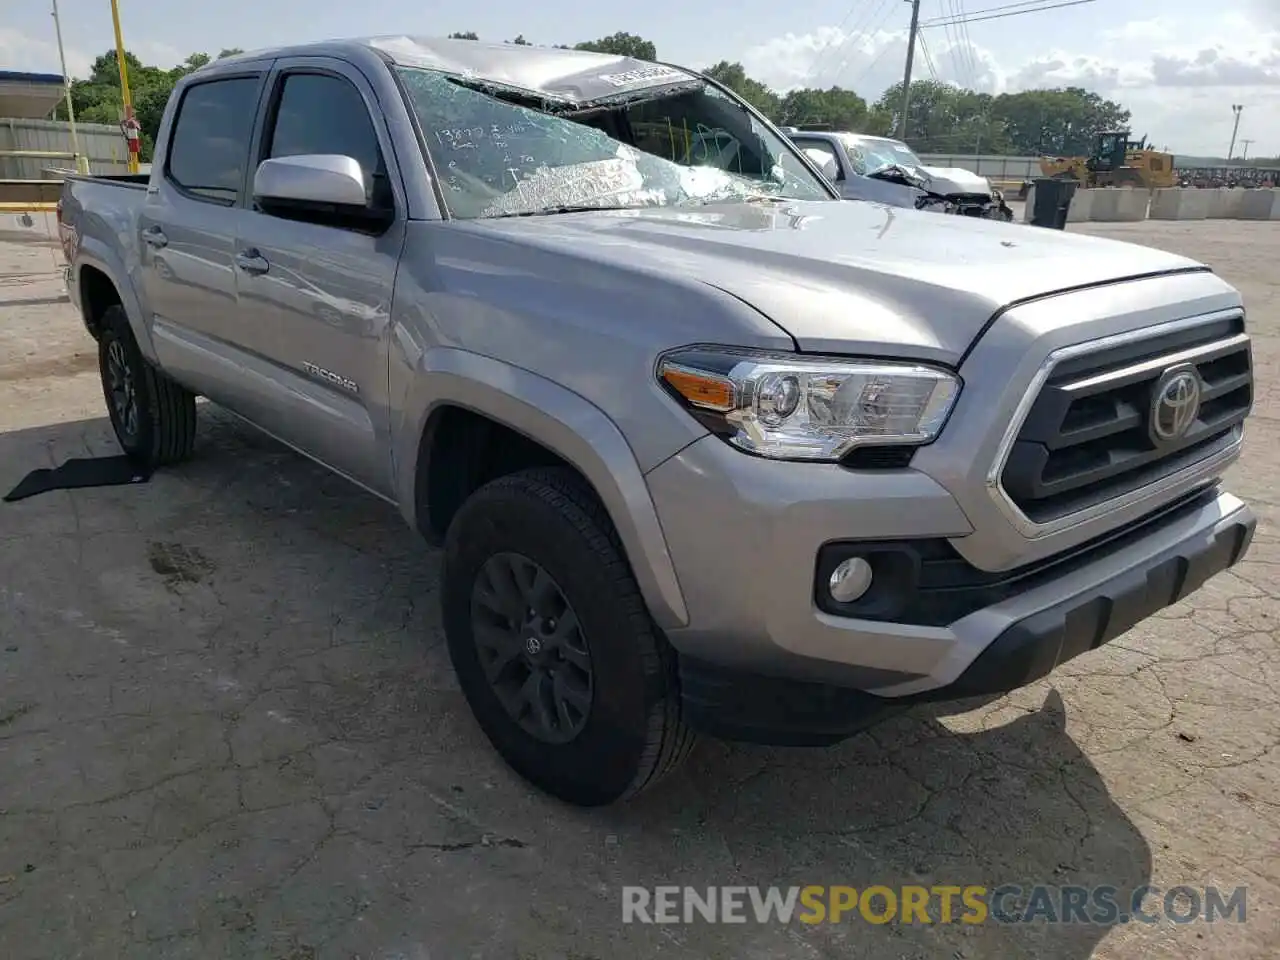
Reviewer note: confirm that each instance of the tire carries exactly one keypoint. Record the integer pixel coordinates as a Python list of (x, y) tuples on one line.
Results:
[(632, 735), (154, 418)]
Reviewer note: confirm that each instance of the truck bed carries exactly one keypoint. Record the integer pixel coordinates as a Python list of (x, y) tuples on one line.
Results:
[(134, 180)]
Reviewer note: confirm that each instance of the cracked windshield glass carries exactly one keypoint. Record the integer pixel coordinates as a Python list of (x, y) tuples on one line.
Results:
[(687, 145), (867, 156)]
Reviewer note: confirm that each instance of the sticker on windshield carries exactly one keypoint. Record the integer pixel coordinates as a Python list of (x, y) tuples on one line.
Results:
[(656, 72)]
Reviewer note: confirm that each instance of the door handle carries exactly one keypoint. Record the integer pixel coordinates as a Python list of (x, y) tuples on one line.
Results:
[(252, 262), (154, 237)]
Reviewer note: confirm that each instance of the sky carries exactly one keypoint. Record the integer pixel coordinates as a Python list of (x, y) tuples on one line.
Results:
[(1178, 65)]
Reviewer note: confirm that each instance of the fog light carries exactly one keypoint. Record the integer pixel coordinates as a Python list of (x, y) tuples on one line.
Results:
[(849, 580)]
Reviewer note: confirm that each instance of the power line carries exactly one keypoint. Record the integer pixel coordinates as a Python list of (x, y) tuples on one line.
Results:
[(879, 56), (956, 52), (883, 9), (999, 13), (952, 46), (968, 46), (928, 62), (813, 67), (1017, 5), (842, 50)]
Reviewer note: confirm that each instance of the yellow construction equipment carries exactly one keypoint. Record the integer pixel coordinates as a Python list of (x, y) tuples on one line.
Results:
[(1116, 161)]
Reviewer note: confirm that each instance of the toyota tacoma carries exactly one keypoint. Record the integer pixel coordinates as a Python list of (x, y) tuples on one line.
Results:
[(708, 448)]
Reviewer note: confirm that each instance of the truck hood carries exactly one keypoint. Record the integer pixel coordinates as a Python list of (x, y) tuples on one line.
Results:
[(950, 181), (846, 277)]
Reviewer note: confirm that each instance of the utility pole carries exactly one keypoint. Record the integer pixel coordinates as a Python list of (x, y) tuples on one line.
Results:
[(1244, 154), (82, 162), (130, 123), (1236, 108), (906, 77)]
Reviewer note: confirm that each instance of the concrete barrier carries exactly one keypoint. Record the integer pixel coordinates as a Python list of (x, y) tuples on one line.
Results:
[(1081, 209), (1131, 204), (1224, 202), (1112, 204), (1261, 204), (1177, 203), (1103, 204)]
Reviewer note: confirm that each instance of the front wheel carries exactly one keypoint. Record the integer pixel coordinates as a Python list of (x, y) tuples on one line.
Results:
[(552, 644)]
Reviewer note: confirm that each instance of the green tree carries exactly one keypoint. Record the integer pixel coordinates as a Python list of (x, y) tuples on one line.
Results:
[(105, 69), (520, 41), (834, 108), (622, 45), (1062, 121), (191, 64), (468, 35), (734, 76), (944, 119), (230, 52)]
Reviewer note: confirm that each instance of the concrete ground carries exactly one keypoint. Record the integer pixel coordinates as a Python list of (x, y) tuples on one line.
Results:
[(228, 728)]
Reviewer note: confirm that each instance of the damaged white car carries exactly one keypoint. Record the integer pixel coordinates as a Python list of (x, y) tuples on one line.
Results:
[(859, 158)]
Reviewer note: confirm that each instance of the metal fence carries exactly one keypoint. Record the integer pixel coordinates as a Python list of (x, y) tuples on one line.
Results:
[(42, 145), (995, 167)]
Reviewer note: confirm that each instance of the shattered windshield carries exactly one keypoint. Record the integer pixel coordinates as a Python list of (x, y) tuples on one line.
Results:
[(687, 145), (868, 156)]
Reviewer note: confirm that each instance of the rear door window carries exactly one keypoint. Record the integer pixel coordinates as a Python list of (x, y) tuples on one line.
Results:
[(209, 146)]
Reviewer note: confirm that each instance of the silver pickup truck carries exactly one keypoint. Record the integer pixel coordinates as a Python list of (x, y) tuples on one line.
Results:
[(708, 448)]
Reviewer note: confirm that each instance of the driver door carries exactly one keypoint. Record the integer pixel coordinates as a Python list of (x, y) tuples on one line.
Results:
[(319, 292)]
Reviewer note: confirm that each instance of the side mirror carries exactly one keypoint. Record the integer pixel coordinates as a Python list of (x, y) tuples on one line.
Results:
[(326, 179)]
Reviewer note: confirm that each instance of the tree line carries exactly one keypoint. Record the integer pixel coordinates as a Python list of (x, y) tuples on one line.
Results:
[(944, 118)]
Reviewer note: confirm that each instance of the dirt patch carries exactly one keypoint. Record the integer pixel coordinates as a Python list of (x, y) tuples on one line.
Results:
[(178, 564), (54, 367)]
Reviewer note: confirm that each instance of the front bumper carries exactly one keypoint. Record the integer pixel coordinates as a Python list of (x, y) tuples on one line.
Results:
[(761, 659)]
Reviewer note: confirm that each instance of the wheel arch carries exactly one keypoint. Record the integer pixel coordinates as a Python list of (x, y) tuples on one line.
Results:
[(561, 424), (99, 274)]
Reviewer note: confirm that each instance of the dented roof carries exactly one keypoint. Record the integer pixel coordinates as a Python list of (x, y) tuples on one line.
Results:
[(573, 75)]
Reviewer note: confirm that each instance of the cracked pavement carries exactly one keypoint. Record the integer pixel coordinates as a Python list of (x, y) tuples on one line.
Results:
[(228, 728)]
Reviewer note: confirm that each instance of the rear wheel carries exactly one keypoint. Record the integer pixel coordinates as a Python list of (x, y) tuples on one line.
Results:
[(553, 646), (154, 418)]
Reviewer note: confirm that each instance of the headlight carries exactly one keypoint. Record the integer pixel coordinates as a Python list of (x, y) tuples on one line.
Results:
[(795, 408)]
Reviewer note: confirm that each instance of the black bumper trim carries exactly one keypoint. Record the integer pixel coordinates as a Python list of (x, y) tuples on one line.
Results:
[(737, 705), (1032, 647)]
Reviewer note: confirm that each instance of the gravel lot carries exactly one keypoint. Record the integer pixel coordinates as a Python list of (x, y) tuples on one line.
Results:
[(228, 728)]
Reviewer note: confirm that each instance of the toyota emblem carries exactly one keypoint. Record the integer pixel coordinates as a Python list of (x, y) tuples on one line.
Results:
[(1175, 404)]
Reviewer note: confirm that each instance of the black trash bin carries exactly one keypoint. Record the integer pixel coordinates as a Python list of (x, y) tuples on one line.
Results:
[(1053, 200)]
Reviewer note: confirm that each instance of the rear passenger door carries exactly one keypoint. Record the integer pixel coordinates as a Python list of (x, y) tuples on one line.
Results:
[(188, 226), (319, 292)]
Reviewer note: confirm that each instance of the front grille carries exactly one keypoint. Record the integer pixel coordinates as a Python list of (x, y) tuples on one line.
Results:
[(1088, 436)]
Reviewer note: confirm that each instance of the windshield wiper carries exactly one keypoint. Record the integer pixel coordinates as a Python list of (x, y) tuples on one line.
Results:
[(567, 208)]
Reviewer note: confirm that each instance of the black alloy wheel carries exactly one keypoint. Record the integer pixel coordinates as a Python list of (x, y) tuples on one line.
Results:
[(532, 648)]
